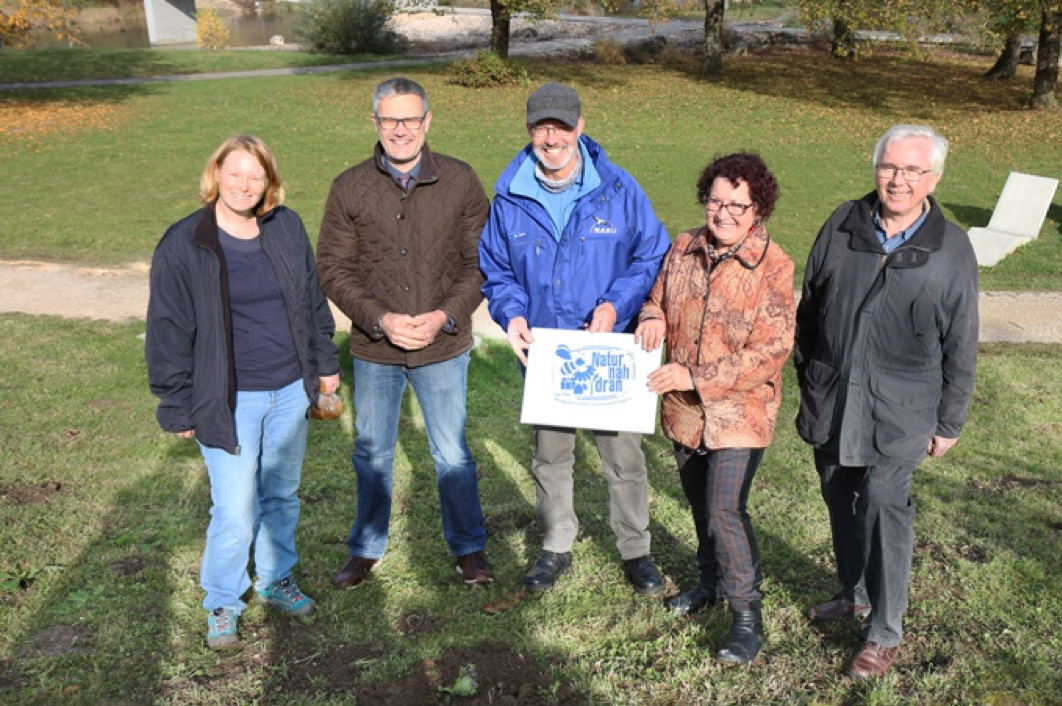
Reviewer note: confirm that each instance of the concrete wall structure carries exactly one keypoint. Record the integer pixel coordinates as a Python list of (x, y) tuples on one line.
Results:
[(170, 21)]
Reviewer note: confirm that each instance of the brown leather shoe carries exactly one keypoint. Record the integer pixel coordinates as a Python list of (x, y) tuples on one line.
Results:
[(353, 572), (872, 661), (474, 568), (838, 607)]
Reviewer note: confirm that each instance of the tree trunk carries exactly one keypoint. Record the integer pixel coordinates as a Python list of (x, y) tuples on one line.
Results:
[(712, 48), (501, 15), (842, 43), (1006, 65), (1045, 83)]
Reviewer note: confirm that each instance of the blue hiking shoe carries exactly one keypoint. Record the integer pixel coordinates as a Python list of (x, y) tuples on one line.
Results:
[(285, 597), (221, 629)]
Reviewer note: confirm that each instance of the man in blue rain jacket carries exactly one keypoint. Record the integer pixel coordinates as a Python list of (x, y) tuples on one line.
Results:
[(572, 243)]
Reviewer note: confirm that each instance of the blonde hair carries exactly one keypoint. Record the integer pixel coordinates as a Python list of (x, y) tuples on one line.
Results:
[(274, 191)]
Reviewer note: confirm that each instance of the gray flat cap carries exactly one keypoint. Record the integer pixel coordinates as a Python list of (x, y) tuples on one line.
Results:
[(554, 101)]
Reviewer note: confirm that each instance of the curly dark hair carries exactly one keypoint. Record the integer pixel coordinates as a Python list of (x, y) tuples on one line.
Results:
[(747, 167)]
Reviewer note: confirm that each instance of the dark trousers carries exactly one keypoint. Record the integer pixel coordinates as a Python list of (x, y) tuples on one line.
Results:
[(717, 483), (872, 521)]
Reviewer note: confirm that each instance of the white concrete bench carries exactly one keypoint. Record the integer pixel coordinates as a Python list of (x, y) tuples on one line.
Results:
[(1017, 218)]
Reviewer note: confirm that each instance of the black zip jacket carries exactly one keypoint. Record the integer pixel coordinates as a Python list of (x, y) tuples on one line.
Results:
[(189, 330), (886, 344)]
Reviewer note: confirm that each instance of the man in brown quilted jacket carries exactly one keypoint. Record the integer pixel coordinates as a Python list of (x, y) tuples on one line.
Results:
[(397, 253)]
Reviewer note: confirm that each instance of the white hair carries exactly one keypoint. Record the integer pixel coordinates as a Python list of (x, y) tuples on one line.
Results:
[(939, 143)]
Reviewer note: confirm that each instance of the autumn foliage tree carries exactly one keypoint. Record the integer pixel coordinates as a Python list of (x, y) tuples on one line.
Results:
[(29, 22)]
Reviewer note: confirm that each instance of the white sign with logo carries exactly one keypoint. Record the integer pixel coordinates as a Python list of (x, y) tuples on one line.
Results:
[(589, 381)]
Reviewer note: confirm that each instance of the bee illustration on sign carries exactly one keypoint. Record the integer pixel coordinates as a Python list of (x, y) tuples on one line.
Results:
[(592, 374)]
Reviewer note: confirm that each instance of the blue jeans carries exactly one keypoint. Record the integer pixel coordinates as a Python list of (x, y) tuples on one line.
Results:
[(254, 495), (440, 390)]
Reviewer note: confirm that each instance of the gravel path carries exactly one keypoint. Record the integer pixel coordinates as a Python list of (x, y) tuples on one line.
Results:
[(117, 294)]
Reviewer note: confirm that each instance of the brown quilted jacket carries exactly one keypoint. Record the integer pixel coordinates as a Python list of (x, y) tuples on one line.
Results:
[(381, 250), (733, 330)]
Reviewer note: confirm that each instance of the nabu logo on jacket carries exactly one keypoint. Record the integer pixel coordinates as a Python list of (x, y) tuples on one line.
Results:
[(603, 227)]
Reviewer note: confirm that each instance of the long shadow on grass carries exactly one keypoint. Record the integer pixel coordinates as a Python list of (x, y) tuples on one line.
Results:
[(76, 95), (82, 63), (378, 642), (869, 83), (103, 632)]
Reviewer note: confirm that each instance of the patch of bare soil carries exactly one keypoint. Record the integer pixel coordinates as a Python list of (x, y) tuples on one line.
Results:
[(503, 678), (129, 566), (11, 679), (302, 667), (20, 494), (60, 640)]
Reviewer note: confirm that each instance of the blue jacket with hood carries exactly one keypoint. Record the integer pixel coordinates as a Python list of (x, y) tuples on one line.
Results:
[(610, 250)]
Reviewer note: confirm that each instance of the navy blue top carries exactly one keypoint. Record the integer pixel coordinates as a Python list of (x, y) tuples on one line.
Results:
[(262, 344)]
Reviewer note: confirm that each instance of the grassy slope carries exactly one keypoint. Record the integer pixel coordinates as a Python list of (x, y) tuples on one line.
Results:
[(96, 175), (985, 592), (81, 63)]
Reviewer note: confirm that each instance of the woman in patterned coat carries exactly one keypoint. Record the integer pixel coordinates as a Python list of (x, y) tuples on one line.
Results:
[(724, 302)]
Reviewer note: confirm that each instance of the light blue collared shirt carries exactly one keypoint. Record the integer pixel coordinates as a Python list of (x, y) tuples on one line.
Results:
[(903, 236), (558, 206)]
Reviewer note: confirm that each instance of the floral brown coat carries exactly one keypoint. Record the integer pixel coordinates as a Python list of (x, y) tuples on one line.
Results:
[(732, 326)]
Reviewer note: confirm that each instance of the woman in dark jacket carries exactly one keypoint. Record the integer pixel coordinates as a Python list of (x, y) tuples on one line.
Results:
[(239, 341)]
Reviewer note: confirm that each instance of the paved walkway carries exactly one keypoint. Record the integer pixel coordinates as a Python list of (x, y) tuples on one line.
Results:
[(117, 294)]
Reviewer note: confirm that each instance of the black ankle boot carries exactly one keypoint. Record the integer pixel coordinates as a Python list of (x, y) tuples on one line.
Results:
[(692, 601), (746, 636)]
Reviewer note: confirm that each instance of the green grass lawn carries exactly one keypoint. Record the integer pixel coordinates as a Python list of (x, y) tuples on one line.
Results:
[(77, 64), (95, 175), (102, 519)]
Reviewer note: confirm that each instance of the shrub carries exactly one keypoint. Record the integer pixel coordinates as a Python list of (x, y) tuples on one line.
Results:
[(608, 51), (27, 22), (210, 30), (488, 70), (347, 27)]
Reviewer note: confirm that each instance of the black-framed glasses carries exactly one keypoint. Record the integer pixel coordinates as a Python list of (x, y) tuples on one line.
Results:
[(735, 209), (415, 123), (543, 130), (911, 174)]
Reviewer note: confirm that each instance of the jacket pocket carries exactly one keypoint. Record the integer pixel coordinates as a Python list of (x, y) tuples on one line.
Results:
[(817, 399), (905, 414)]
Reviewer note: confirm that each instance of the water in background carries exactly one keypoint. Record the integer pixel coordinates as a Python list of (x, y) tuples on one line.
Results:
[(130, 30)]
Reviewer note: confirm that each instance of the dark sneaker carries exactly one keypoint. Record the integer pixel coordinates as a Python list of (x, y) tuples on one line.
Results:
[(474, 568), (643, 575), (549, 567), (285, 597), (221, 629)]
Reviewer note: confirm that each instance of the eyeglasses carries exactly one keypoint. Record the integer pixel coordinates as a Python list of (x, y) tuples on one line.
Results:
[(392, 123), (543, 130), (735, 209), (911, 174)]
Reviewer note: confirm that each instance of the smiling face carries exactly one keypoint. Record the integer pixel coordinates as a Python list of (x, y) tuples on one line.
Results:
[(241, 182), (725, 227), (900, 199), (556, 146), (402, 144)]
